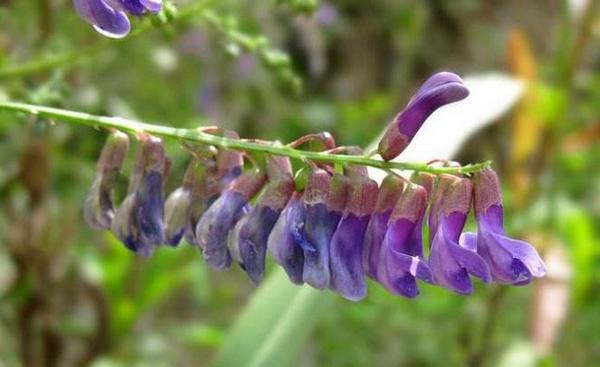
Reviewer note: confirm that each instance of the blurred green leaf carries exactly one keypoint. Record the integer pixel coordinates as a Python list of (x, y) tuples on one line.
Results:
[(274, 325)]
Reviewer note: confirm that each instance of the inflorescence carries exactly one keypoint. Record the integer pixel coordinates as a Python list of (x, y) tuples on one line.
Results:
[(327, 225)]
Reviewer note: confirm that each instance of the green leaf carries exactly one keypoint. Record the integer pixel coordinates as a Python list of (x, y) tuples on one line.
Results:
[(274, 325)]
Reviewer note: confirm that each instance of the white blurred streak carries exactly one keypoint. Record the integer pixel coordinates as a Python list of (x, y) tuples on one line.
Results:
[(551, 300), (577, 8), (448, 129)]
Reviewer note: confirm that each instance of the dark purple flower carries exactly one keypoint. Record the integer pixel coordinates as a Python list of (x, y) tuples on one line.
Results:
[(324, 201), (347, 274), (439, 90), (109, 17), (511, 261), (283, 243), (401, 259), (98, 208), (220, 218), (389, 192), (451, 262), (139, 220), (251, 234)]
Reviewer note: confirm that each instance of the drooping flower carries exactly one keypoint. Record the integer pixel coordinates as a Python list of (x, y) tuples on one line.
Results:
[(389, 192), (177, 205), (220, 218), (98, 208), (401, 257), (249, 238), (451, 262), (138, 222), (511, 261), (109, 17), (283, 241), (324, 201), (347, 273), (439, 90)]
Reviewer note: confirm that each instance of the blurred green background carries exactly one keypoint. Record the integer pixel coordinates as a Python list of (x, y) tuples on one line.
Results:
[(71, 296)]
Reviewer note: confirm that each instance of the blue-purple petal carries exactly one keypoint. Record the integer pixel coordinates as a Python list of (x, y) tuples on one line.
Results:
[(319, 227), (214, 226), (347, 274), (282, 243), (105, 19)]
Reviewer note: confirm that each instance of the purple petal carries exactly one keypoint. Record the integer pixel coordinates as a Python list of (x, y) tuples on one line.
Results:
[(400, 258), (125, 228), (105, 19), (153, 6), (401, 271), (347, 274), (150, 207), (452, 263), (252, 241), (282, 244), (319, 227), (511, 261), (214, 226), (373, 240)]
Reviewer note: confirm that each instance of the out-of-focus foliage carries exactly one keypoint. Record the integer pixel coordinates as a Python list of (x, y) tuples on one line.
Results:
[(73, 296)]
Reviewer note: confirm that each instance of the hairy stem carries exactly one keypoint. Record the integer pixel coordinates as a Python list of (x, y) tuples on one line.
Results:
[(197, 136)]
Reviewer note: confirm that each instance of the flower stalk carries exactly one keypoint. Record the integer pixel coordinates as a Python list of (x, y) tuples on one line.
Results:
[(198, 136)]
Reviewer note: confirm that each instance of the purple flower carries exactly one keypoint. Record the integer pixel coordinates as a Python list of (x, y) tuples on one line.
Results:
[(401, 259), (451, 262), (98, 208), (220, 218), (109, 17), (138, 222), (511, 261), (324, 201), (389, 192), (250, 236), (283, 243), (439, 90), (347, 274)]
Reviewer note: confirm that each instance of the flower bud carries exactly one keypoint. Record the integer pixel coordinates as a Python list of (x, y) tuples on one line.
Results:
[(98, 208), (214, 226), (347, 274), (401, 256), (439, 90)]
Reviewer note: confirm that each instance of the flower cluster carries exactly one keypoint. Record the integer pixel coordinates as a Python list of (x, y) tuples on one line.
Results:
[(327, 227), (110, 17)]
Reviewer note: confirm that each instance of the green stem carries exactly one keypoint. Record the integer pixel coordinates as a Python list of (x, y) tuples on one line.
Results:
[(197, 136), (80, 54)]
